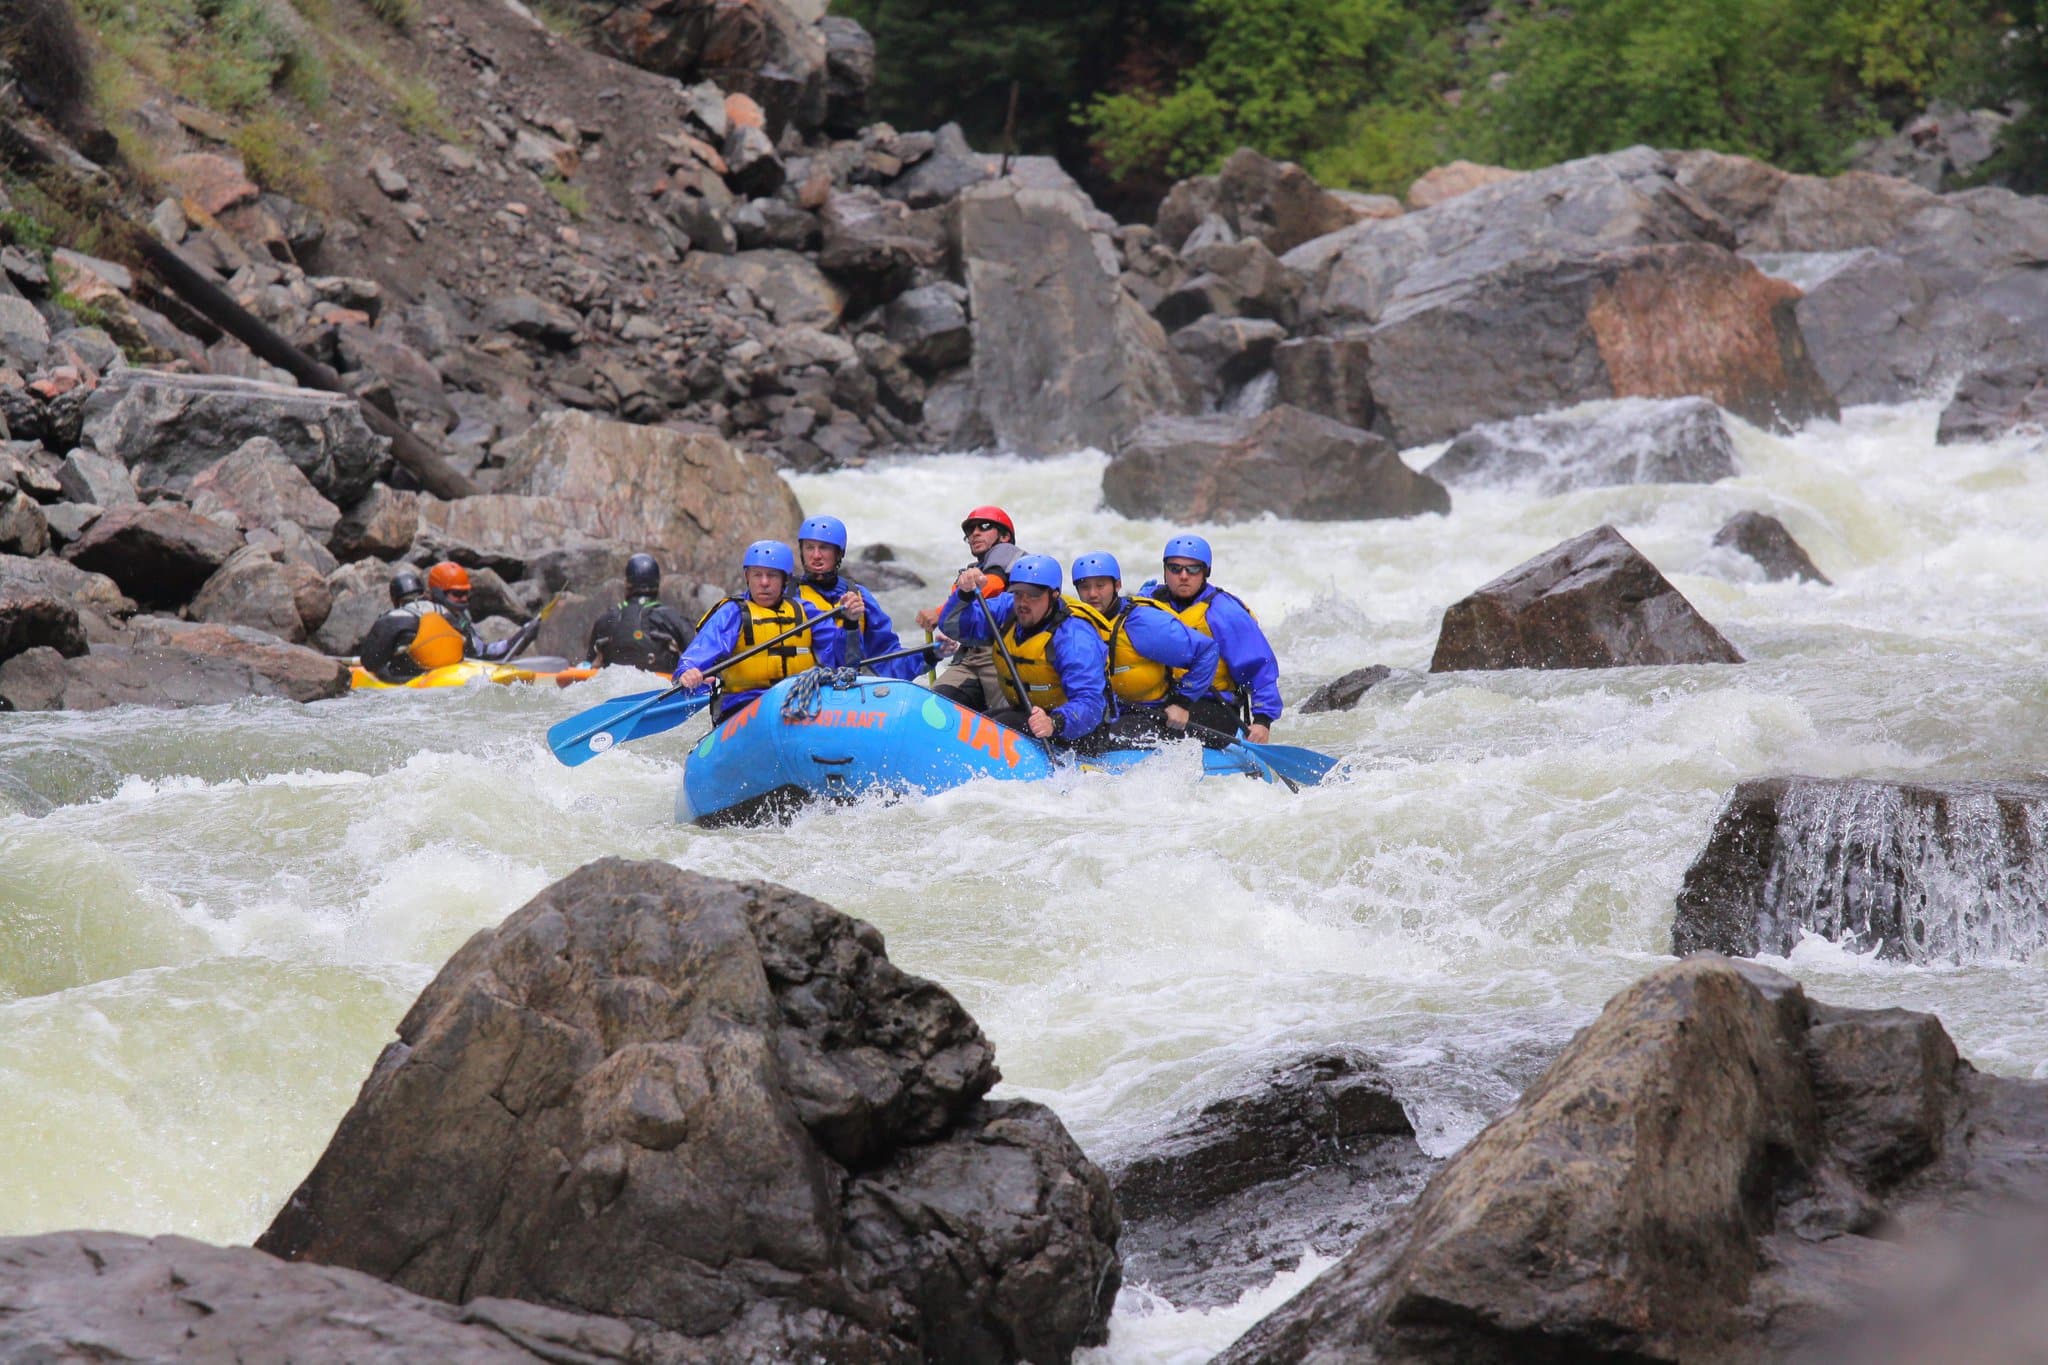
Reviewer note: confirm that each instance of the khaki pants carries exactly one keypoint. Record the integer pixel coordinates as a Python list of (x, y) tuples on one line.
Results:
[(974, 669)]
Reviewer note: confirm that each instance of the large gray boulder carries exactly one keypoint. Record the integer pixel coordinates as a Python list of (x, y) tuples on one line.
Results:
[(1064, 357), (1763, 538), (1711, 1171), (93, 593), (717, 1108), (24, 529), (1599, 278), (1634, 440), (358, 594), (1284, 461), (1921, 871), (214, 670), (159, 553), (38, 620), (693, 501), (168, 427), (256, 486), (76, 1296), (382, 525), (254, 589), (1592, 602)]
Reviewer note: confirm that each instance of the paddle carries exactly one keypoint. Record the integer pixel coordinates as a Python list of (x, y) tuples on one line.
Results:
[(1244, 749), (524, 639), (1016, 678), (1296, 766), (590, 732)]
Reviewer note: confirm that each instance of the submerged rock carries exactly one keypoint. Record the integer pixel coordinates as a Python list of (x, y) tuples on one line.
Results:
[(1704, 1174), (1343, 693), (1635, 440), (1592, 602), (716, 1107), (1923, 871), (1284, 461), (1304, 1158), (1764, 539)]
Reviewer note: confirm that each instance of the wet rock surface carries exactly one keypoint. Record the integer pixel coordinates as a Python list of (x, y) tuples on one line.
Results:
[(1764, 539), (716, 1108), (1343, 693), (1306, 1157), (112, 1296), (1918, 871), (1285, 461), (1990, 403), (1710, 1171), (1640, 440), (1592, 602)]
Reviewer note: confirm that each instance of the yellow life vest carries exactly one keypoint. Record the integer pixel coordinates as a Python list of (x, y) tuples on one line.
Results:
[(1132, 677), (1195, 616), (771, 665), (437, 643), (1040, 676)]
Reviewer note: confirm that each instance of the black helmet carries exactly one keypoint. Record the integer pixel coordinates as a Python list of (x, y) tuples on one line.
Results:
[(643, 575), (406, 587)]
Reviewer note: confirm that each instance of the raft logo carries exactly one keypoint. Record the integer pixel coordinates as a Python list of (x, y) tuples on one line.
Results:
[(979, 732), (601, 741), (845, 720)]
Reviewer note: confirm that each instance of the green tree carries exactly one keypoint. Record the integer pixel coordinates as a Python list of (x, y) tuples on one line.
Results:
[(1282, 76)]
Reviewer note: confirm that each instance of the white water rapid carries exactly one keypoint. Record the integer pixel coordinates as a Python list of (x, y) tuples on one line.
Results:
[(211, 920)]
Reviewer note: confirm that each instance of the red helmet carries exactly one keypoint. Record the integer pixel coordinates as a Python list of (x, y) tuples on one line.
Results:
[(448, 576), (994, 514)]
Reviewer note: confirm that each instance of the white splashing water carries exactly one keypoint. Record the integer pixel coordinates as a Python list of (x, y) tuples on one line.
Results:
[(211, 920)]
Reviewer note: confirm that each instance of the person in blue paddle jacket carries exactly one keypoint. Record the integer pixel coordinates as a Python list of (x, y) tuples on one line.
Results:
[(1060, 689), (769, 607), (821, 545), (1246, 690), (1157, 666)]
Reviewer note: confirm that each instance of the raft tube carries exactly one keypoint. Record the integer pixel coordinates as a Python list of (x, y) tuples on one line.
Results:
[(878, 734), (470, 671)]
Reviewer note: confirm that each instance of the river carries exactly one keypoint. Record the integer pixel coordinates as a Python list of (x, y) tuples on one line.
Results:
[(211, 920)]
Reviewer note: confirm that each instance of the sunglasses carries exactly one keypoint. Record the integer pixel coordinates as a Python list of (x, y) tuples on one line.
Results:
[(1187, 568), (457, 594), (968, 528)]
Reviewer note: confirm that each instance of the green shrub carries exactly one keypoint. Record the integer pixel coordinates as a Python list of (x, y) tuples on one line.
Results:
[(570, 197)]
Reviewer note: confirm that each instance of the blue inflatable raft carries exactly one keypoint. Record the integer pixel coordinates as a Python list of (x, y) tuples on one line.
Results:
[(840, 742)]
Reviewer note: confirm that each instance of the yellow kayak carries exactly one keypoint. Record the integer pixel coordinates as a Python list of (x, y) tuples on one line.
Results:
[(471, 671)]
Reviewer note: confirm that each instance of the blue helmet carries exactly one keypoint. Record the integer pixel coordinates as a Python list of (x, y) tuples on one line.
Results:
[(1039, 571), (1097, 564), (831, 530), (770, 554), (1189, 547)]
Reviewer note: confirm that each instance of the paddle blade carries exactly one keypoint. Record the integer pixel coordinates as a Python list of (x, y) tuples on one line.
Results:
[(1305, 766), (591, 732)]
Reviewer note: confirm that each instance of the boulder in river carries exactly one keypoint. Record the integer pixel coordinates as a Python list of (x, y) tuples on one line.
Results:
[(1633, 440), (1303, 1158), (115, 1296), (1592, 602), (253, 588), (32, 619), (1341, 694), (168, 427), (1709, 1172), (381, 524), (1285, 461), (1990, 403), (1764, 539), (718, 1108), (197, 670), (1921, 871), (358, 594), (159, 553), (256, 486)]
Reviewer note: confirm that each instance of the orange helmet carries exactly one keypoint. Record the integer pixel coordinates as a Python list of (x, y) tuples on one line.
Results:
[(448, 576)]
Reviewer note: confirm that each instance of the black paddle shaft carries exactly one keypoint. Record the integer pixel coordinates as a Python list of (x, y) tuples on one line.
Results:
[(1016, 678), (721, 665)]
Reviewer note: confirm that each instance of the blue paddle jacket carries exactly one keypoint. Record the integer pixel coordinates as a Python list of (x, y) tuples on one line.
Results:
[(719, 635), (877, 635), (1075, 651), (1160, 637), (1244, 650)]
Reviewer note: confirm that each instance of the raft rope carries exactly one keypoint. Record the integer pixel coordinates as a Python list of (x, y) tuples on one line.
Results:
[(801, 701)]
